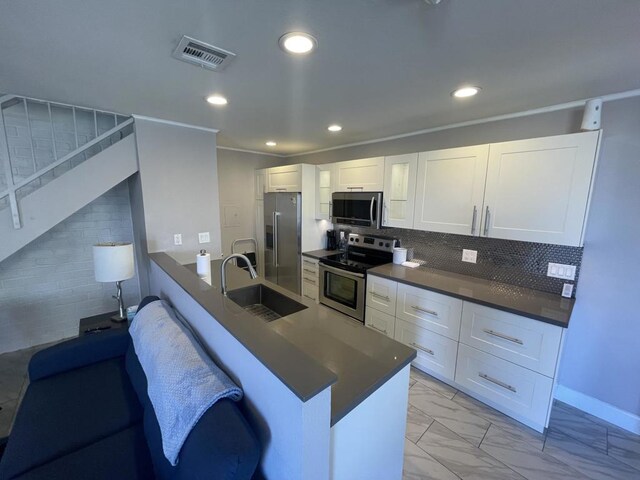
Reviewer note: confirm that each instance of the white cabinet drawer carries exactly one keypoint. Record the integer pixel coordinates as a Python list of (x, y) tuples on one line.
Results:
[(381, 294), (310, 289), (380, 322), (309, 268), (438, 313), (524, 341), (510, 388), (436, 353)]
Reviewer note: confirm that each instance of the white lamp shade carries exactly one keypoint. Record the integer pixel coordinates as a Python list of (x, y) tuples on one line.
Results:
[(113, 262)]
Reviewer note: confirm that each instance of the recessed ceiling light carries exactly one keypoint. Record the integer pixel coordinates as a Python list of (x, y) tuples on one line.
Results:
[(298, 43), (217, 100), (270, 143), (334, 128), (465, 92)]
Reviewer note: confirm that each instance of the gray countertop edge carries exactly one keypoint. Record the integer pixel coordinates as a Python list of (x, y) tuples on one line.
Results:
[(192, 285), (488, 303)]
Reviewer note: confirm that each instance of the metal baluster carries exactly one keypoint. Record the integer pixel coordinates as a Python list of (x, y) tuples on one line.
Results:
[(33, 148), (53, 133)]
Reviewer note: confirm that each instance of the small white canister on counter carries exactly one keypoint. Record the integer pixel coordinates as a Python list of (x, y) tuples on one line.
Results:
[(399, 255)]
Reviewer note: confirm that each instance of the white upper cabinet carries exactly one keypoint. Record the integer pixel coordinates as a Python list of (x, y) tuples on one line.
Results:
[(365, 175), (450, 190), (538, 190), (284, 179), (261, 177), (324, 189), (399, 190)]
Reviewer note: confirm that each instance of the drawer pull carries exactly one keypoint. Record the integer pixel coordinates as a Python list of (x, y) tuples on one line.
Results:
[(378, 329), (383, 297), (503, 336), (313, 282), (424, 349), (310, 263), (310, 271), (497, 382), (310, 298), (425, 310)]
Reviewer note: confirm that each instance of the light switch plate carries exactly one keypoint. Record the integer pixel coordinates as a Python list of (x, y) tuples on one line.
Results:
[(470, 256), (203, 237), (177, 239), (559, 270)]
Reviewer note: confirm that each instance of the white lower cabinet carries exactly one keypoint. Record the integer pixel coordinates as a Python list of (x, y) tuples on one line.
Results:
[(380, 322), (524, 341), (434, 311), (506, 360), (436, 354), (512, 389), (310, 278)]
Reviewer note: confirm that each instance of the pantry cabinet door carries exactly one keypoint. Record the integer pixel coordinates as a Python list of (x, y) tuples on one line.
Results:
[(538, 189), (399, 190), (450, 190)]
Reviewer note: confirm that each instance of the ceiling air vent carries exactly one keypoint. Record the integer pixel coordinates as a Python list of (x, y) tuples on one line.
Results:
[(200, 53)]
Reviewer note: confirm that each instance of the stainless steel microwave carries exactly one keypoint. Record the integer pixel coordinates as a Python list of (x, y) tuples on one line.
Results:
[(362, 209)]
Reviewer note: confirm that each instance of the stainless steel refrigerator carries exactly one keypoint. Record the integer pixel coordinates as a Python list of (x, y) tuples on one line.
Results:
[(282, 218)]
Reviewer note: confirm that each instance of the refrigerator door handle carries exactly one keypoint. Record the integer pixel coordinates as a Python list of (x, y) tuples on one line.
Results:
[(275, 238)]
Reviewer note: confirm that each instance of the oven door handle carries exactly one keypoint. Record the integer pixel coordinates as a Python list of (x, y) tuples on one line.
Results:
[(346, 273)]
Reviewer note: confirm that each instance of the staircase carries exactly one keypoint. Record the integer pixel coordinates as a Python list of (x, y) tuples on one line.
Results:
[(54, 160)]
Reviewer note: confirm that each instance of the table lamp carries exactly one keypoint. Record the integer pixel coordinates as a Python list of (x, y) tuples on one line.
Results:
[(113, 262)]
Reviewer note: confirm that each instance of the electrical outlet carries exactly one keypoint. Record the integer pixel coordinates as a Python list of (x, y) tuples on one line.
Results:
[(559, 270), (177, 239), (567, 290), (470, 256), (203, 237)]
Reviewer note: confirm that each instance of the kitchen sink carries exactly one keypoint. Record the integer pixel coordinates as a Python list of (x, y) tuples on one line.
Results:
[(264, 302)]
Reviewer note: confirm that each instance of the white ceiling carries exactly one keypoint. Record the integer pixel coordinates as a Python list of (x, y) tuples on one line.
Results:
[(383, 67)]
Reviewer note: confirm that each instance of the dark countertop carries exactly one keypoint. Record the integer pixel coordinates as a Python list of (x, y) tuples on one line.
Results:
[(318, 254), (542, 306), (308, 350)]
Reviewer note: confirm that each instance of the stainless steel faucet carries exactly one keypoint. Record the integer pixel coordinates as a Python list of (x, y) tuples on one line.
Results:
[(223, 275)]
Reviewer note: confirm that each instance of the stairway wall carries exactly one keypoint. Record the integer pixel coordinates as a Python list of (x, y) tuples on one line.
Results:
[(47, 286)]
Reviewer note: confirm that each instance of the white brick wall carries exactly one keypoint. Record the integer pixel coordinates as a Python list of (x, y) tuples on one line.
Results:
[(46, 287)]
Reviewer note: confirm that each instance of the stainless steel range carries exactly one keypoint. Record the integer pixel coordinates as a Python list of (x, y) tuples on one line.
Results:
[(343, 275)]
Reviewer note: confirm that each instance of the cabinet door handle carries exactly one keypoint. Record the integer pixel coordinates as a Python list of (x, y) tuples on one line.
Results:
[(473, 220), (378, 329), (355, 188), (425, 310), (281, 189), (486, 222), (383, 297), (503, 336), (424, 349), (497, 382)]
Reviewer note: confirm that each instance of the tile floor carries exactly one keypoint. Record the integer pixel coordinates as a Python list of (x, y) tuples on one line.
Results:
[(453, 436)]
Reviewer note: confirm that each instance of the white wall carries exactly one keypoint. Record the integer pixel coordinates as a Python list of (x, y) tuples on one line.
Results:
[(179, 186), (237, 193), (47, 286), (600, 364)]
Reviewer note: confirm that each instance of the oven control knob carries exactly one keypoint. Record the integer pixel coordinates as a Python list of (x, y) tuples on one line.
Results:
[(357, 240), (379, 244), (386, 244)]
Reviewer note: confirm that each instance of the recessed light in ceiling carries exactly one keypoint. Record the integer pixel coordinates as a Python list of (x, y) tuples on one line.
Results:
[(298, 43), (334, 128), (217, 100), (270, 143), (465, 92)]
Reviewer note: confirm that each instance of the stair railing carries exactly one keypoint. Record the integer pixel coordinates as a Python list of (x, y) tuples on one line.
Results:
[(12, 186)]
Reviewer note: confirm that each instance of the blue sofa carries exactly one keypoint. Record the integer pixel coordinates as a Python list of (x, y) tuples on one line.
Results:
[(86, 415)]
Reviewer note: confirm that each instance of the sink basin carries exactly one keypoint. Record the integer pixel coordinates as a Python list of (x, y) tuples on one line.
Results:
[(264, 302)]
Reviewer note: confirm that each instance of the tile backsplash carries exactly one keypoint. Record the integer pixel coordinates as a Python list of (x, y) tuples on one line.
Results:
[(507, 261)]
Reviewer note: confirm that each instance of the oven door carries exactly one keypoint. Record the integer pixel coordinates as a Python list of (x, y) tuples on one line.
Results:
[(343, 290)]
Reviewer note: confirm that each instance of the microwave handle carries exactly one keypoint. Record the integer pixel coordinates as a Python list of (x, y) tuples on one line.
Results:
[(373, 202)]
